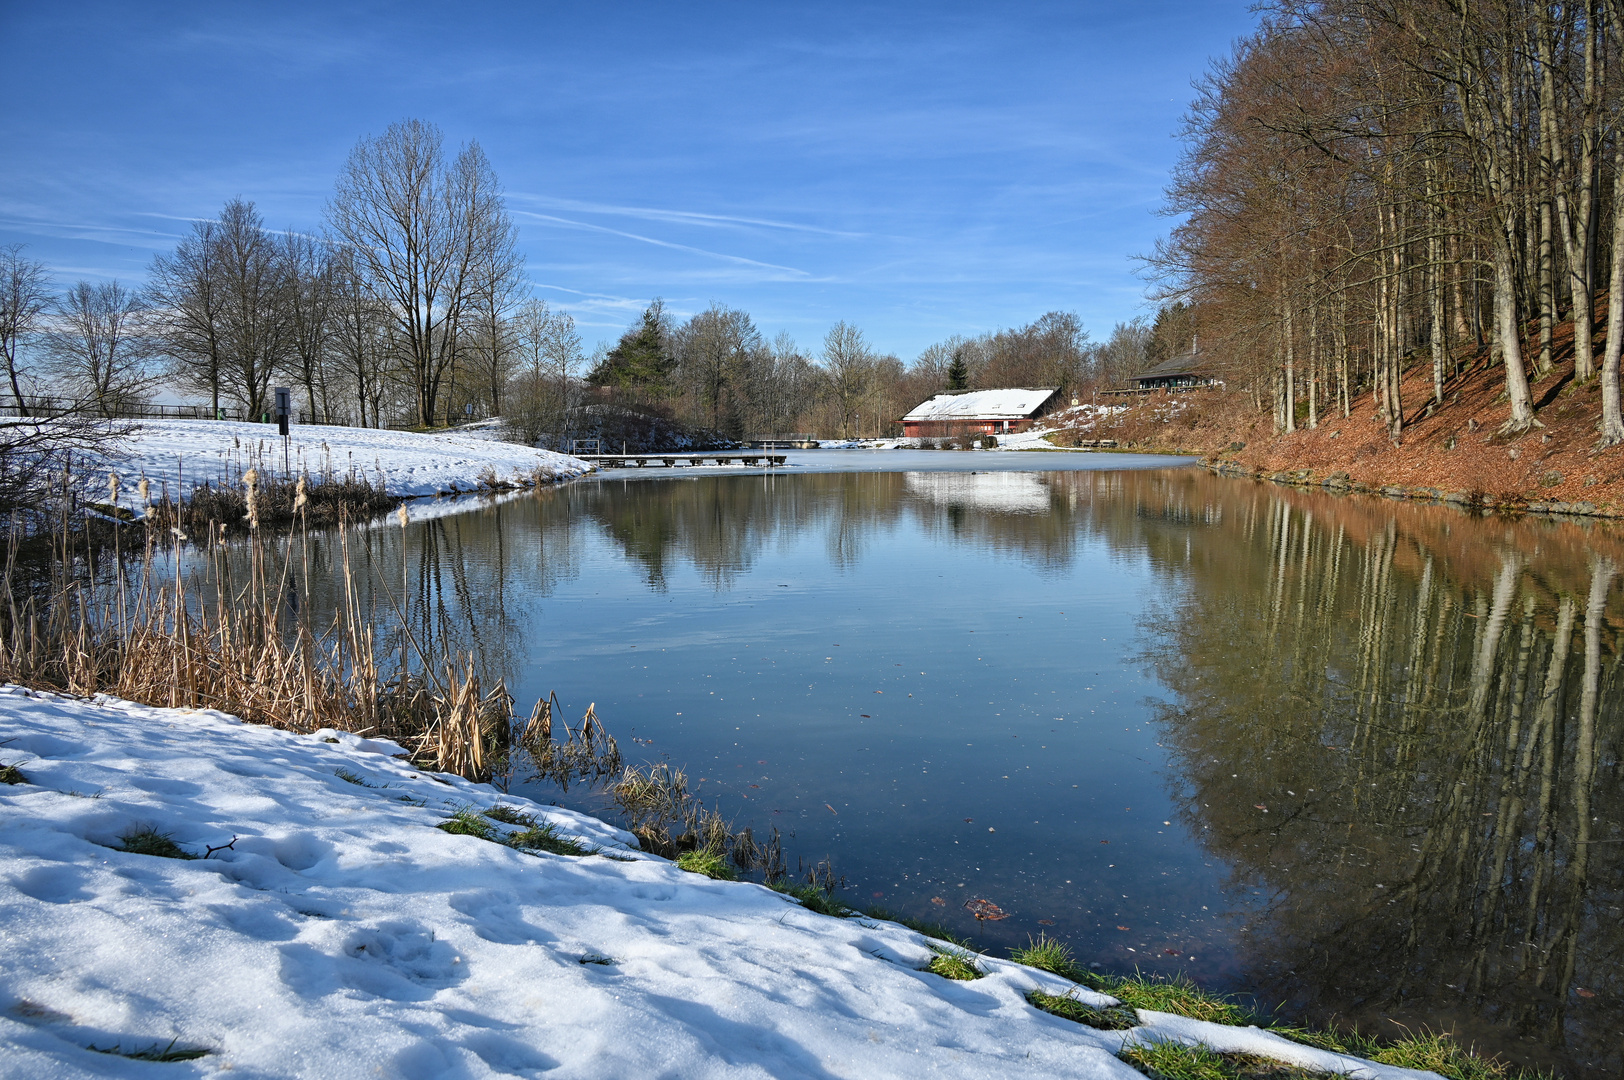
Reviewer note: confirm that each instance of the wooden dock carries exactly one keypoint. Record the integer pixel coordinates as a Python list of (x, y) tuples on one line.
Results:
[(692, 457)]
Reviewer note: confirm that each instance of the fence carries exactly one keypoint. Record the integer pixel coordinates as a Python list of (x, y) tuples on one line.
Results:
[(122, 410), (45, 407)]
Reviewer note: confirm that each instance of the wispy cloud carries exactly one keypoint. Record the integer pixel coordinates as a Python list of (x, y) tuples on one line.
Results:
[(681, 217), (737, 259), (97, 231)]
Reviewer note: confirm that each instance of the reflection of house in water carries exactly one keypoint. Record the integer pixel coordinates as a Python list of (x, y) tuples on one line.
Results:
[(976, 412), (994, 492)]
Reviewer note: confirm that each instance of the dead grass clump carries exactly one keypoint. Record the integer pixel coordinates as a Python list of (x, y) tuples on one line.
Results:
[(10, 774), (149, 841), (588, 753), (669, 821), (276, 501), (155, 1052)]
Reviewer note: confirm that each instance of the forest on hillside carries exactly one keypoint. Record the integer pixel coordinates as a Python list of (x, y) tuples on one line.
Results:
[(1372, 185)]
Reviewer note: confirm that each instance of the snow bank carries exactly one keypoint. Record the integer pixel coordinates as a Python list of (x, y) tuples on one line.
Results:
[(183, 454), (342, 935)]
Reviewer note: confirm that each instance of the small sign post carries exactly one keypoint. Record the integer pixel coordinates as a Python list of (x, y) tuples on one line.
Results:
[(284, 413)]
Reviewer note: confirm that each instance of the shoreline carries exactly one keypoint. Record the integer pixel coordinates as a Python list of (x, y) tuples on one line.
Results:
[(1456, 451), (1340, 484), (322, 919)]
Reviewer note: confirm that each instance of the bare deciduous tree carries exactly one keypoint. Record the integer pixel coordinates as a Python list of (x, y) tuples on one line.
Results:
[(97, 348), (186, 295), (549, 351), (850, 364), (428, 238), (716, 351), (308, 305), (24, 297), (256, 334)]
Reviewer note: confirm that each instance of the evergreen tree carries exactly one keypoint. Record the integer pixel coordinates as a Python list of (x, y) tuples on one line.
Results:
[(958, 374), (641, 360)]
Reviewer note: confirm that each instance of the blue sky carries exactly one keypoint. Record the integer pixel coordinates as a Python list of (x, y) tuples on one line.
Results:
[(919, 170)]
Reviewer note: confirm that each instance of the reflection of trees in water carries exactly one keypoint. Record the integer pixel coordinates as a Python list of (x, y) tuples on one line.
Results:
[(471, 582), (721, 525), (1428, 707), (463, 584)]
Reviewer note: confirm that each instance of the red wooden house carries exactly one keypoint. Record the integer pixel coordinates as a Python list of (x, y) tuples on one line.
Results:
[(978, 412)]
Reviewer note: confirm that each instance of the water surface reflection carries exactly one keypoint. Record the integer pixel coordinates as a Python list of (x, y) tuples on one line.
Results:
[(1358, 756)]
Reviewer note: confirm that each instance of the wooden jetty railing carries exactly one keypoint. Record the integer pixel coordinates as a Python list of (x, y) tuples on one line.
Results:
[(693, 457)]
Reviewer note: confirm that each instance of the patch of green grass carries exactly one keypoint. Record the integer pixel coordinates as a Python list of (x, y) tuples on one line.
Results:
[(351, 777), (1319, 1040), (155, 1052), (1178, 995), (534, 835), (149, 841), (1069, 1007), (1174, 994), (1443, 1055), (707, 862), (1175, 1061), (812, 898), (1047, 954), (11, 774), (544, 836), (468, 822), (953, 963)]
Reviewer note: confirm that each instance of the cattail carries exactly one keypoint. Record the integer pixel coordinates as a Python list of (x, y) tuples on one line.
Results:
[(112, 489), (401, 514), (250, 481), (301, 495), (145, 490)]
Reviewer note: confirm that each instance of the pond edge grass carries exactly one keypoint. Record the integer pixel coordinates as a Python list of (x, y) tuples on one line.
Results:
[(1179, 995)]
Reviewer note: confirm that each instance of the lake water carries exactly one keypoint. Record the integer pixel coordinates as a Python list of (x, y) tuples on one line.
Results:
[(1356, 757)]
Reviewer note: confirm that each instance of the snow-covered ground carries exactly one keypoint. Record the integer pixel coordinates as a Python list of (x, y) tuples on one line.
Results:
[(179, 455), (333, 932)]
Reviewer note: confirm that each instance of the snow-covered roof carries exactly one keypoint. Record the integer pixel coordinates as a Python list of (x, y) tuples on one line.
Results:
[(1014, 403)]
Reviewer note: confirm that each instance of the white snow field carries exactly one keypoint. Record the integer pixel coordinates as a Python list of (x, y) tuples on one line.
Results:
[(179, 455), (342, 935)]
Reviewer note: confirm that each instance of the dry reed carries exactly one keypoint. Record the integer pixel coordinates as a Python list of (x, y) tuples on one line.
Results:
[(251, 650)]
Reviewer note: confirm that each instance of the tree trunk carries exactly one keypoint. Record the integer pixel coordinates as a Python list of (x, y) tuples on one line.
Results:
[(1290, 372), (1313, 366), (1546, 289), (1505, 325), (1612, 418)]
